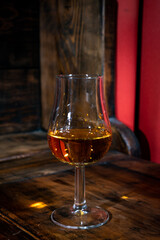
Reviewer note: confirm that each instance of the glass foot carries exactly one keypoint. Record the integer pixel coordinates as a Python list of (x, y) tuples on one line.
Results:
[(90, 217)]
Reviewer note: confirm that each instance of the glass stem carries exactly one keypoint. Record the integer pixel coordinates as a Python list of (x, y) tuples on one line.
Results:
[(79, 197)]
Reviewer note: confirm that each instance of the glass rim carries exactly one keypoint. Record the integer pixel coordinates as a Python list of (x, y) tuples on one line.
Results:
[(79, 76)]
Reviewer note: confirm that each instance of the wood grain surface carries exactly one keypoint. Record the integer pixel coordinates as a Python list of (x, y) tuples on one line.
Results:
[(19, 34), (74, 39), (21, 145), (127, 187), (19, 66), (12, 231), (110, 33), (19, 100)]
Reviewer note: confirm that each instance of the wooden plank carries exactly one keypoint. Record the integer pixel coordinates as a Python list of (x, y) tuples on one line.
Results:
[(27, 167), (72, 41), (19, 100), (131, 197), (21, 145), (19, 66), (19, 34), (110, 30), (36, 163), (13, 231), (67, 28), (48, 60)]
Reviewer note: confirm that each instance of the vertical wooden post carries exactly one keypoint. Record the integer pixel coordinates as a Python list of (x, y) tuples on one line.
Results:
[(72, 41)]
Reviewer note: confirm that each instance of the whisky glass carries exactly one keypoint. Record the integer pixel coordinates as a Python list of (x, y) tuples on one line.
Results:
[(79, 134)]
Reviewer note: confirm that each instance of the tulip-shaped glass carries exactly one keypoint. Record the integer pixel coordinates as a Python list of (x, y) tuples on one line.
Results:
[(79, 134)]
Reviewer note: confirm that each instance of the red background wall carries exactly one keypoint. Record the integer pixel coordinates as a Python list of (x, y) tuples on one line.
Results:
[(127, 25), (149, 114), (126, 95)]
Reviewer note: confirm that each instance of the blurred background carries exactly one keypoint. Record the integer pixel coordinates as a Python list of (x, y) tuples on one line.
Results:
[(119, 39)]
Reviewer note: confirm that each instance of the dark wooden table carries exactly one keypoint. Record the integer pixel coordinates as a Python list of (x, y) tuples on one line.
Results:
[(32, 187)]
